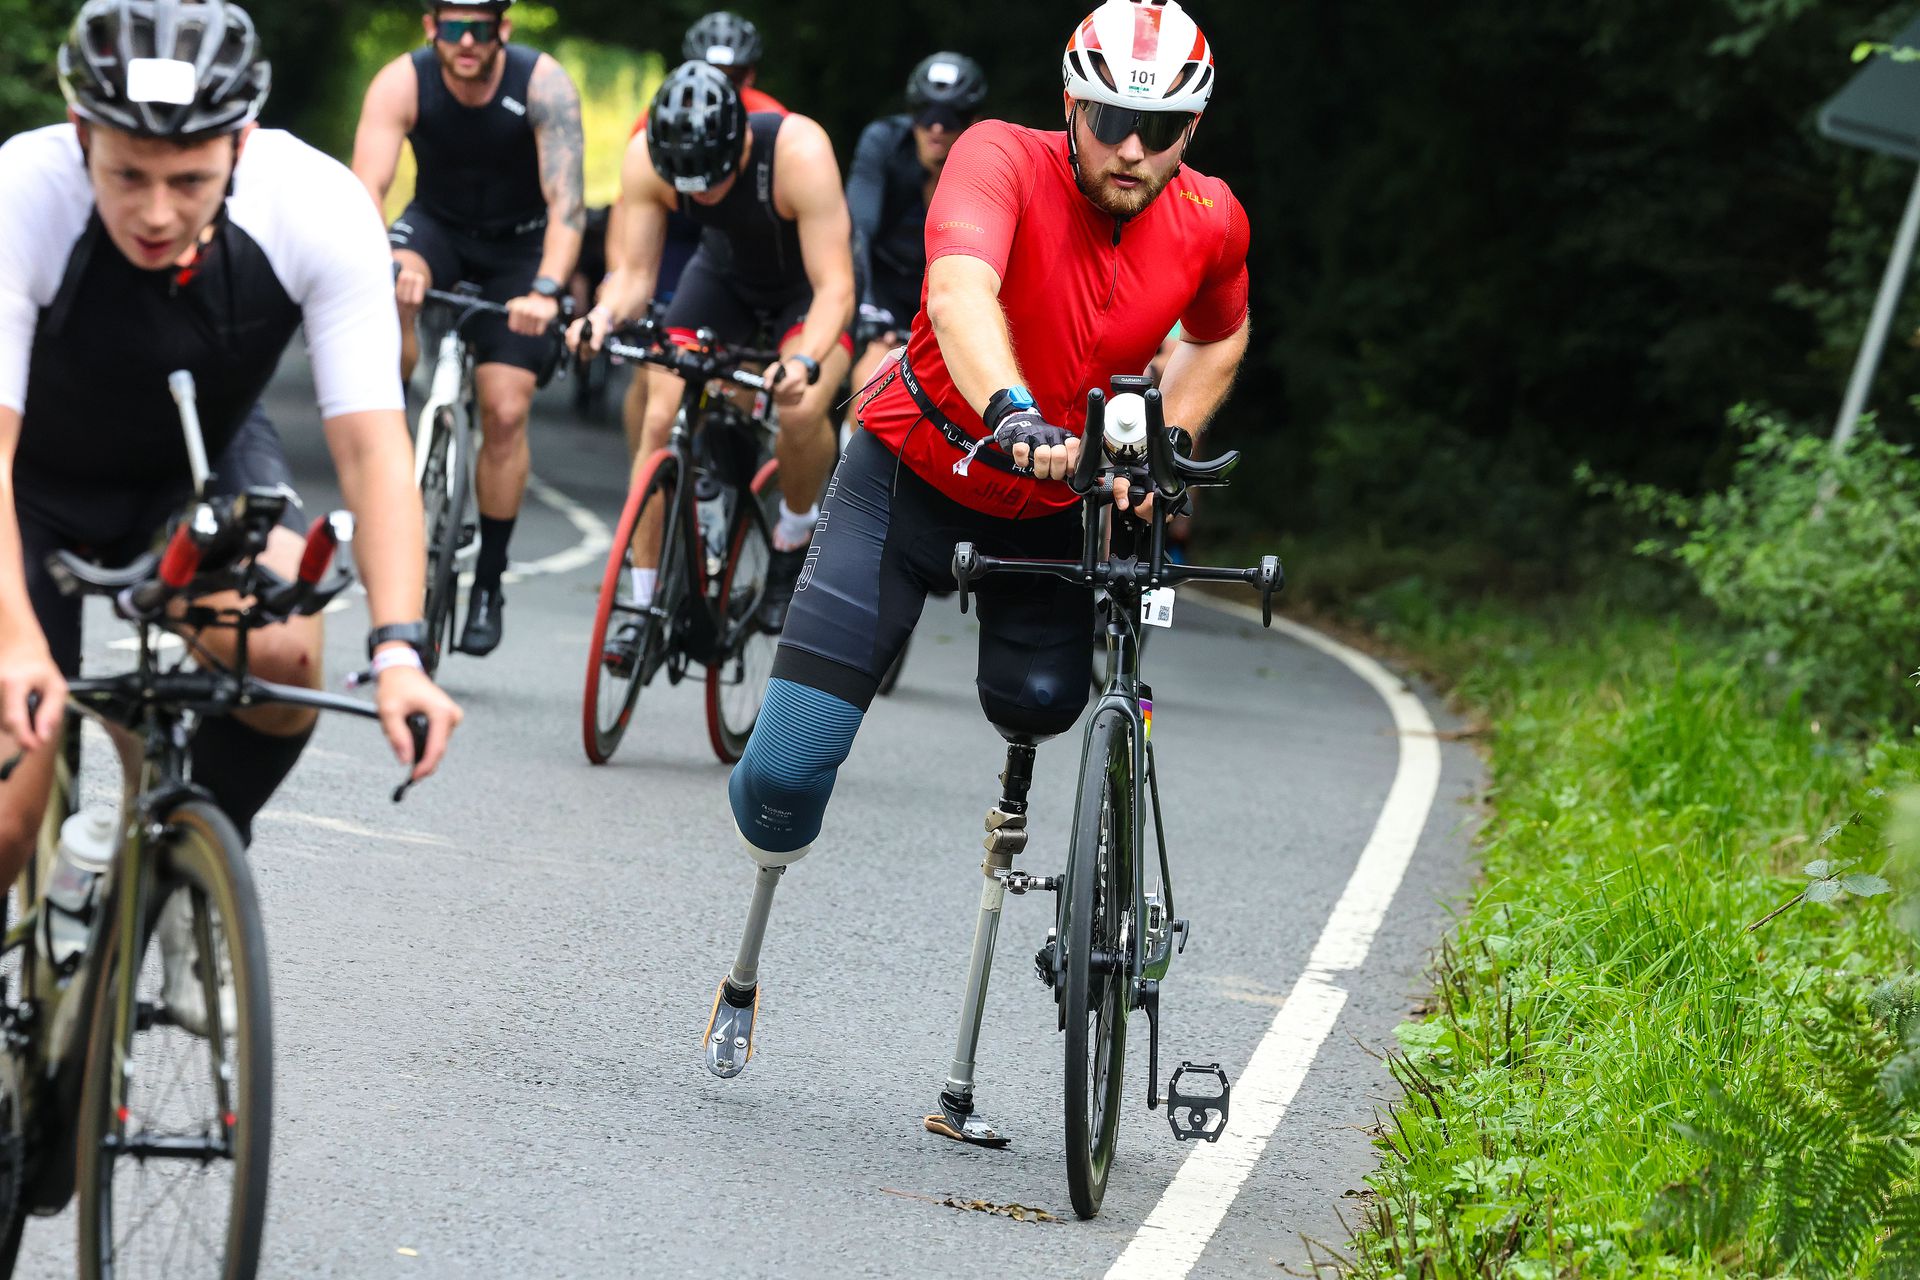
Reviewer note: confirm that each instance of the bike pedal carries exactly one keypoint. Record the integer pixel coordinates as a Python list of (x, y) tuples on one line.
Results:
[(1046, 963), (1205, 1114)]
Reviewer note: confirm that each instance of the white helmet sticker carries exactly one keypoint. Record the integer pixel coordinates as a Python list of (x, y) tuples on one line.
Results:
[(943, 73), (720, 56), (690, 185), (165, 80)]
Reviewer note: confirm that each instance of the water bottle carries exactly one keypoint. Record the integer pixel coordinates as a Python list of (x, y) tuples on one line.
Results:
[(1126, 427), (710, 502), (85, 850)]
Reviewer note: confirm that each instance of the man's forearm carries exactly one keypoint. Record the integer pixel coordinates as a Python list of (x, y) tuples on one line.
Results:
[(625, 292), (974, 342), (389, 543), (827, 319), (562, 250), (17, 620), (1198, 378)]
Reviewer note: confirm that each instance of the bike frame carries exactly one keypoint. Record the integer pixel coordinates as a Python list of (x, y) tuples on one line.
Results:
[(698, 401)]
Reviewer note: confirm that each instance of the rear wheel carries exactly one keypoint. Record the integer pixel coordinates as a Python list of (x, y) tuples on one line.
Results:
[(443, 493), (176, 1124), (737, 685), (630, 642), (1097, 911)]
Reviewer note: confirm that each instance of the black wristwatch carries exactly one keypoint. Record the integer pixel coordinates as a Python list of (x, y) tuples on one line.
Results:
[(412, 634), (811, 365), (545, 286)]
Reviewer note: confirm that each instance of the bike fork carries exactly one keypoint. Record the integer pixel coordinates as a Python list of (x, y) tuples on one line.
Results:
[(1006, 838)]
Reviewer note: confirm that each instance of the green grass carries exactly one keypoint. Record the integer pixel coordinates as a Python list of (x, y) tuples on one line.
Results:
[(1650, 799)]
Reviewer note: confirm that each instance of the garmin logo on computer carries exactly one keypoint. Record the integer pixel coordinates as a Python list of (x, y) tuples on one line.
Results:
[(516, 107)]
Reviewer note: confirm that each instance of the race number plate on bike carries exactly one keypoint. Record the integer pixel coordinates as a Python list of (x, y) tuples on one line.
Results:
[(1156, 607)]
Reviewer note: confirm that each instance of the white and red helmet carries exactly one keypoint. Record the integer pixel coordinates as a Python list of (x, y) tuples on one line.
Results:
[(1145, 55)]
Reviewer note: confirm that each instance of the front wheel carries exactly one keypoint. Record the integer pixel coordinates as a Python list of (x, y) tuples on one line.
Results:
[(630, 640), (176, 1109), (1097, 910), (443, 495), (737, 683)]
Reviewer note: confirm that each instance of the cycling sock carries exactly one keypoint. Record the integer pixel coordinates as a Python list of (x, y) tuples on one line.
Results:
[(242, 766), (795, 528), (494, 535), (780, 787), (642, 581)]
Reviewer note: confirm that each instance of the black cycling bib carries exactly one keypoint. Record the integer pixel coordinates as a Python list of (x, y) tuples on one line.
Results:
[(479, 166), (760, 249)]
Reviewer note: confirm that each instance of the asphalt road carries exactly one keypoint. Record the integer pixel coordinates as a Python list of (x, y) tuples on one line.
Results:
[(489, 1000)]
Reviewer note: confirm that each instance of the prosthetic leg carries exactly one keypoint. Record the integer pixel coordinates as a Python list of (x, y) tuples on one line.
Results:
[(730, 1029), (1006, 837)]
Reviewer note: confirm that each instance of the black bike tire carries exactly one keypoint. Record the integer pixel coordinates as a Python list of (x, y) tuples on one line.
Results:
[(604, 733), (728, 740), (201, 849), (444, 519), (1091, 917)]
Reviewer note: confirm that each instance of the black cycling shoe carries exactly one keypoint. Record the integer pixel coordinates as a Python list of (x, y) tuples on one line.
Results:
[(730, 1029), (956, 1119), (783, 571), (481, 636)]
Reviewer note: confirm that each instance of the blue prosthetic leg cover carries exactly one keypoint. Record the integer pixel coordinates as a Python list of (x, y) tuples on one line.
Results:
[(781, 785)]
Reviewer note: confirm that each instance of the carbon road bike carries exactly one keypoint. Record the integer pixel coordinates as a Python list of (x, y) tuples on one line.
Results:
[(1115, 931), (446, 442), (136, 1043), (710, 495)]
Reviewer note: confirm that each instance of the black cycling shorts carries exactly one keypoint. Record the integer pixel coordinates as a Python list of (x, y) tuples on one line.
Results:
[(504, 267), (709, 298), (254, 457), (897, 293), (885, 539), (683, 241)]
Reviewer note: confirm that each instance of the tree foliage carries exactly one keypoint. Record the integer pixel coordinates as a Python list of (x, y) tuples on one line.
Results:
[(1488, 244)]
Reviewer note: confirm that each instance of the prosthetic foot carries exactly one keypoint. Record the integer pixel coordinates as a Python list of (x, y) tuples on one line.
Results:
[(729, 1040), (956, 1120), (730, 1029)]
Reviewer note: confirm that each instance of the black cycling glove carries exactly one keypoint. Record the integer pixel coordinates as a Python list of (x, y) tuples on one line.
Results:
[(1026, 426)]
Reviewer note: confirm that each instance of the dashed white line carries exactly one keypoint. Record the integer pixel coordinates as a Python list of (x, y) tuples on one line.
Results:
[(1169, 1243)]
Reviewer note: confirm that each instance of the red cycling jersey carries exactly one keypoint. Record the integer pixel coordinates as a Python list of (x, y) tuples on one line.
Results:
[(1085, 297), (750, 98)]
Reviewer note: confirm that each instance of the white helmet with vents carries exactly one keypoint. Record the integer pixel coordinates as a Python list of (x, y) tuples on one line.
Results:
[(1142, 55)]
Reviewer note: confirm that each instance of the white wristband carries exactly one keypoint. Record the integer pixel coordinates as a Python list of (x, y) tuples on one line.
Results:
[(397, 656)]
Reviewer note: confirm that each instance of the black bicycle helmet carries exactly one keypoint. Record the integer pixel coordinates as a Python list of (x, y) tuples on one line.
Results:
[(164, 68), (947, 79), (724, 39), (497, 7), (695, 127)]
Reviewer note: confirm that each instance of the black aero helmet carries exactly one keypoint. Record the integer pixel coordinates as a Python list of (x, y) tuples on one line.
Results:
[(696, 127), (945, 79), (164, 68), (724, 39)]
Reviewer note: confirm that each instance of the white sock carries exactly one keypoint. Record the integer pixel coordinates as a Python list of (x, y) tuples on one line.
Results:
[(795, 528), (642, 581)]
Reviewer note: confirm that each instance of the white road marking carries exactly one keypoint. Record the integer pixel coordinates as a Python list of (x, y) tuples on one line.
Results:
[(1177, 1232), (591, 549), (346, 828)]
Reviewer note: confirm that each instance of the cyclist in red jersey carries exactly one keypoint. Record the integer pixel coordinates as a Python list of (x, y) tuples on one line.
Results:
[(1056, 261)]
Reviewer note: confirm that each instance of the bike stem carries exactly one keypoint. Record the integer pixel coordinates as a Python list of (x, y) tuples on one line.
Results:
[(1006, 837)]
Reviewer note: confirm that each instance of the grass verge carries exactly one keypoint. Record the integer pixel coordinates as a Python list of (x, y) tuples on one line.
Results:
[(1615, 1076)]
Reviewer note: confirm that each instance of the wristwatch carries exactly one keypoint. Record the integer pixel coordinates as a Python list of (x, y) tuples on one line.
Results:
[(412, 634), (808, 363), (1005, 401), (545, 286)]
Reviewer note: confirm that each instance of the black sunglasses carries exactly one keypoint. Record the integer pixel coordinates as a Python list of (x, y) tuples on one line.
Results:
[(453, 30), (1158, 130), (943, 116)]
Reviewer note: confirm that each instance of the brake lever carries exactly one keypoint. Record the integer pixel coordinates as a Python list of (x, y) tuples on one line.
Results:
[(1272, 579), (1092, 445), (965, 561), (417, 723)]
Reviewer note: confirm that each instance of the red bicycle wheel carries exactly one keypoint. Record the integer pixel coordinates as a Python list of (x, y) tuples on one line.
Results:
[(638, 636)]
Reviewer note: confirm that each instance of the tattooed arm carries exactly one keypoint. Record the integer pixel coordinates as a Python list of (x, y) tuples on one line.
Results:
[(553, 107)]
